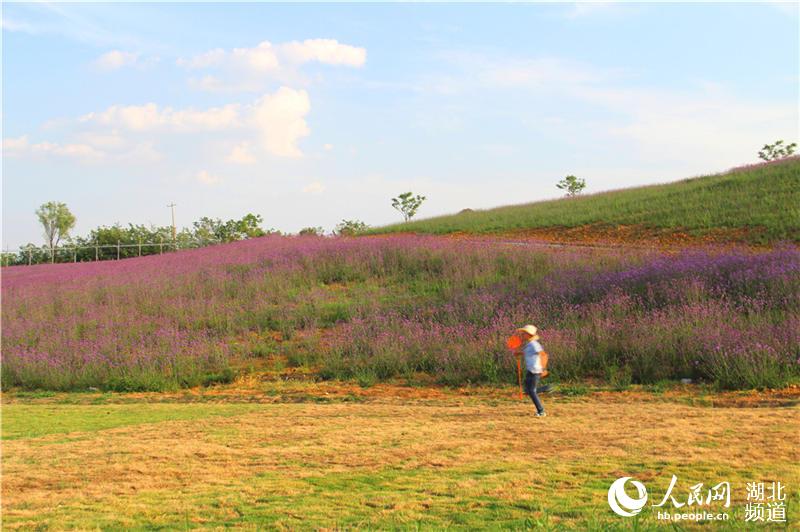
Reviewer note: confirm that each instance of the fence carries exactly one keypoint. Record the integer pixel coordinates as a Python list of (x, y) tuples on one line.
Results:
[(35, 255)]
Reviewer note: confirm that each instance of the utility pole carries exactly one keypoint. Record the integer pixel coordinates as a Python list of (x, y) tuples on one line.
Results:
[(172, 208)]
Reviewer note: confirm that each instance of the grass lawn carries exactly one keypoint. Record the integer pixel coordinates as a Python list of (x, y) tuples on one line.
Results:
[(294, 455), (757, 205)]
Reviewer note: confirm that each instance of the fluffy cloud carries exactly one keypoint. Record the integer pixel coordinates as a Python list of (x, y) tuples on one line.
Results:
[(241, 154), (261, 58), (91, 148), (327, 51), (115, 59), (247, 68), (16, 147), (150, 116), (215, 84), (13, 146), (280, 118)]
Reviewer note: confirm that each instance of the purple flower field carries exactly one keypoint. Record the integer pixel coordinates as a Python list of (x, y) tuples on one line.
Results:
[(383, 307)]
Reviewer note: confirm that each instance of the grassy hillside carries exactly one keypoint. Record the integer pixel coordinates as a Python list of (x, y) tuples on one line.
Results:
[(756, 204), (415, 308)]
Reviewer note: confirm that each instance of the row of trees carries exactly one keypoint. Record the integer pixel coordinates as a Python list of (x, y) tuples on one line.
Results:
[(117, 241)]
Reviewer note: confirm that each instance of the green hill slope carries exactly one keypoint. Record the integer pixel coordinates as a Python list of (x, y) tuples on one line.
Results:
[(755, 204)]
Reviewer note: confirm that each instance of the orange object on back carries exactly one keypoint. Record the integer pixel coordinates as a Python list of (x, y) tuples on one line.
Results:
[(543, 361), (513, 342)]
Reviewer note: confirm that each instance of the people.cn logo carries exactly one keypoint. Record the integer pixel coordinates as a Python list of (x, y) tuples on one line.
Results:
[(621, 502)]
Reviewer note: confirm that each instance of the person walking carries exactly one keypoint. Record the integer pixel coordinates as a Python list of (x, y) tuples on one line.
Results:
[(535, 364)]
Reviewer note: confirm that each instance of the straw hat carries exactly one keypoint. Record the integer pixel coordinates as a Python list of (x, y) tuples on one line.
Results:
[(530, 329)]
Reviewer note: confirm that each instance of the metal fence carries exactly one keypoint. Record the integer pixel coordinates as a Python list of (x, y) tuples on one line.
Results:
[(35, 255)]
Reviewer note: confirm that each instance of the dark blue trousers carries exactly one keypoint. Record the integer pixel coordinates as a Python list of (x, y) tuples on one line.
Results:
[(531, 383)]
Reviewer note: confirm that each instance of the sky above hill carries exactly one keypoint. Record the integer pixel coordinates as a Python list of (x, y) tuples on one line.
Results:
[(308, 114)]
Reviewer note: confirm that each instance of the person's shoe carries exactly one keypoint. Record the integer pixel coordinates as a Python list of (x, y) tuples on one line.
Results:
[(541, 414)]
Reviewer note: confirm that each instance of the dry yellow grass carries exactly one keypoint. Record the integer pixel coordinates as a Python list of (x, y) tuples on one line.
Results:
[(382, 464)]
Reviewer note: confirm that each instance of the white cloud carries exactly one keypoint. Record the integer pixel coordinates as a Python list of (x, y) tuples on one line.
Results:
[(280, 118), (314, 188), (208, 179), (261, 58), (241, 154), (210, 119), (214, 84), (266, 57), (20, 146), (247, 69), (327, 51), (13, 146), (115, 60), (149, 116), (111, 140), (274, 123), (93, 147), (327, 147)]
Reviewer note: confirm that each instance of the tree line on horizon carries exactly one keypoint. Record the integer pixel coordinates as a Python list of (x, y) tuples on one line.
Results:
[(119, 242)]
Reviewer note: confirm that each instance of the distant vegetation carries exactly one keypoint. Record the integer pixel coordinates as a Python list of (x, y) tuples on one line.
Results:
[(314, 231), (756, 204), (572, 185), (350, 228), (408, 204), (777, 150), (135, 240)]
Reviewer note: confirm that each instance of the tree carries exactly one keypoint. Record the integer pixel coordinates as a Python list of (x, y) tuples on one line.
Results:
[(573, 185), (778, 150), (56, 220), (315, 231), (407, 204), (215, 229), (248, 227), (350, 227)]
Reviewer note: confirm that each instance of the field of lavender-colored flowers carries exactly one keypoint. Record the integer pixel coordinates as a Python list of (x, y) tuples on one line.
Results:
[(375, 308)]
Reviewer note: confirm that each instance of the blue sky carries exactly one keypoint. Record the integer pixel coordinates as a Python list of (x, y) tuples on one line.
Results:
[(311, 113)]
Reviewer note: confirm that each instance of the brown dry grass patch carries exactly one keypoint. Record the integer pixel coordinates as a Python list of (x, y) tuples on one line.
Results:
[(109, 470)]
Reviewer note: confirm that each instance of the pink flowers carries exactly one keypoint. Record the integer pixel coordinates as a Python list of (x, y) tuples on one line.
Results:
[(400, 305)]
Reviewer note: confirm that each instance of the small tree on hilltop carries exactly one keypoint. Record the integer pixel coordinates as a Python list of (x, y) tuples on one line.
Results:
[(56, 220), (407, 204), (573, 185), (778, 150)]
